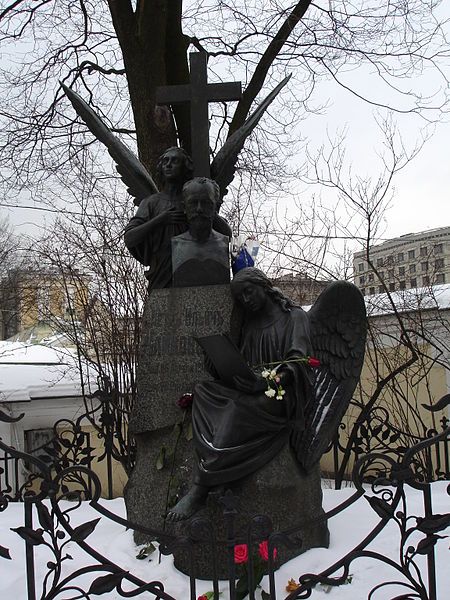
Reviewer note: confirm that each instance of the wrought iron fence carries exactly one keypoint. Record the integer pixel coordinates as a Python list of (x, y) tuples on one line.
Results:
[(64, 472), (375, 433)]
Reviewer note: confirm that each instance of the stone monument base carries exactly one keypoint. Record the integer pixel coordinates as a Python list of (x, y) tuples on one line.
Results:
[(170, 364), (151, 490), (279, 491)]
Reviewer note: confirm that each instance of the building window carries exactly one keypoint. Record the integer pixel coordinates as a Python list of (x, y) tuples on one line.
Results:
[(391, 273), (363, 291), (361, 267), (379, 262), (392, 287), (401, 271), (439, 263), (35, 439), (380, 289), (413, 282), (412, 268), (425, 280), (400, 256), (440, 278), (381, 275), (370, 277), (402, 285), (371, 290), (362, 280), (424, 265), (390, 259), (438, 248), (411, 254), (423, 251)]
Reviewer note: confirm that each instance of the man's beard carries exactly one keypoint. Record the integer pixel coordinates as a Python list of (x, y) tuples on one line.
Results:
[(200, 227)]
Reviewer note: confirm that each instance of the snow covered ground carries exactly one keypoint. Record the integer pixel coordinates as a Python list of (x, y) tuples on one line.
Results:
[(347, 529)]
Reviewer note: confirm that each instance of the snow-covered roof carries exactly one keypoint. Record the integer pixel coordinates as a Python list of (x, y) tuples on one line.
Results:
[(30, 371), (437, 297)]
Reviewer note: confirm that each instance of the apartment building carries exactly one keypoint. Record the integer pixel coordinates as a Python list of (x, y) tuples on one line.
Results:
[(410, 261)]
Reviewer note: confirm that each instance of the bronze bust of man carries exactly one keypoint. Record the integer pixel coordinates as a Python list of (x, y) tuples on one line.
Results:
[(200, 256), (160, 217)]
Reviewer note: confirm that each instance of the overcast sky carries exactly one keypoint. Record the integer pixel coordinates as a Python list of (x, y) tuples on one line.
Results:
[(421, 198)]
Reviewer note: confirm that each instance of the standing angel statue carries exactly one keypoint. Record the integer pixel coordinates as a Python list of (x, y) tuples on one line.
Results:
[(160, 214)]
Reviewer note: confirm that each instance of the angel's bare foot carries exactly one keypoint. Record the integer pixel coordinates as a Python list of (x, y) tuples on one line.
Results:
[(189, 504)]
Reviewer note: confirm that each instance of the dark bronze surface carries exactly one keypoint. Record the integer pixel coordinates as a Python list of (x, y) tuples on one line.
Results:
[(199, 93)]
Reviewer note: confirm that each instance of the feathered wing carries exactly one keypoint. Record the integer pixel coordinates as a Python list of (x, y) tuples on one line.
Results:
[(338, 325), (224, 164), (133, 173)]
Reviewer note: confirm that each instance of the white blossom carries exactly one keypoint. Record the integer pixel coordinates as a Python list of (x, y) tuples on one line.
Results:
[(265, 373), (270, 393)]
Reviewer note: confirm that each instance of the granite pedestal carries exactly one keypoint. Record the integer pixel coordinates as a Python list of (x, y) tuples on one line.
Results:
[(280, 491), (170, 363)]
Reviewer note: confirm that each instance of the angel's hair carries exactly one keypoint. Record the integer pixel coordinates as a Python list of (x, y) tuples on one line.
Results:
[(204, 181), (188, 164), (257, 277)]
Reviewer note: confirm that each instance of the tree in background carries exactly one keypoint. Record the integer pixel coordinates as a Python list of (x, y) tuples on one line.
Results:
[(116, 61), (117, 58)]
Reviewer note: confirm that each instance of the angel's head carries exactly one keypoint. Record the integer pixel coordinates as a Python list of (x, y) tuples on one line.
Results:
[(251, 288), (175, 165)]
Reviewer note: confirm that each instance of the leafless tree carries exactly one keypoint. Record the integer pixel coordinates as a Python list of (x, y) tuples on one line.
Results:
[(104, 290), (118, 58)]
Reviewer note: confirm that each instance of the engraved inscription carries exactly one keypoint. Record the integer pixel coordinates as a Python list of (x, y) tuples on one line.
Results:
[(205, 318), (171, 344)]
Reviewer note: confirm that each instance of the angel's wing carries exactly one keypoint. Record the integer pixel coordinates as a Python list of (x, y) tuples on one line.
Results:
[(338, 336), (133, 173), (224, 164)]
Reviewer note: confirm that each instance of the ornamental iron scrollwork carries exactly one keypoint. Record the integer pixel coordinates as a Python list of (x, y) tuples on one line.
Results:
[(389, 473)]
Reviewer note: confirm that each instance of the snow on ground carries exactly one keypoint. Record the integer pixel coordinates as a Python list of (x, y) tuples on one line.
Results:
[(347, 529)]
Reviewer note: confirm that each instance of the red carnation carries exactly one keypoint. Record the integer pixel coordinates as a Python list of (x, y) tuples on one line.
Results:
[(264, 551), (240, 553), (185, 401), (313, 362)]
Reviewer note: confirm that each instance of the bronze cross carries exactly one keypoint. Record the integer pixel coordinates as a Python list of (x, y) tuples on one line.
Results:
[(199, 93)]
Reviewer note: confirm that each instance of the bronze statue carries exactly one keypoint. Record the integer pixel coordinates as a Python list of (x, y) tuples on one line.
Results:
[(161, 216), (239, 429), (200, 256)]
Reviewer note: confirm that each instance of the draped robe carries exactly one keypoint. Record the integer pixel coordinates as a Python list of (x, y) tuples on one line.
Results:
[(155, 250), (236, 433)]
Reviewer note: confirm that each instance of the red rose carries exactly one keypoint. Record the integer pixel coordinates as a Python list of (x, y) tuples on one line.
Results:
[(185, 401), (240, 553), (203, 597), (313, 362), (264, 551)]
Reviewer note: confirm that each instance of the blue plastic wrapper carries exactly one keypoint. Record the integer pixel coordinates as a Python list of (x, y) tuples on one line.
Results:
[(242, 260)]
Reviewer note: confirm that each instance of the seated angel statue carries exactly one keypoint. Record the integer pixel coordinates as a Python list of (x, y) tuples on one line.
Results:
[(236, 431), (239, 429)]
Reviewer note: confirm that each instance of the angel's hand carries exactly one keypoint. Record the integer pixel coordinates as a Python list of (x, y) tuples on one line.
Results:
[(250, 386), (173, 215), (176, 216)]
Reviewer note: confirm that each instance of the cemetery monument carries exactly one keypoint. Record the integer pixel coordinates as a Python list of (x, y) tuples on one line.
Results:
[(269, 383)]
